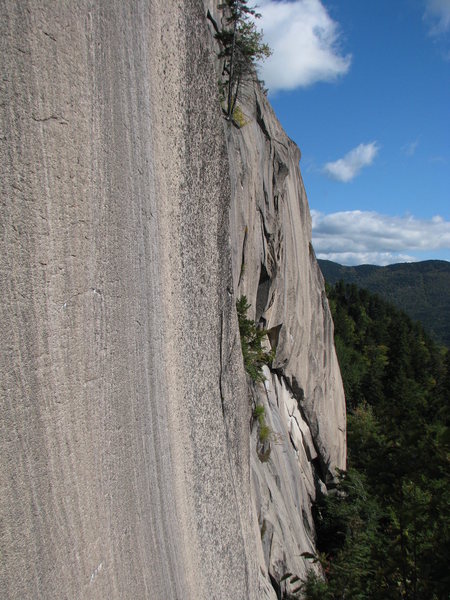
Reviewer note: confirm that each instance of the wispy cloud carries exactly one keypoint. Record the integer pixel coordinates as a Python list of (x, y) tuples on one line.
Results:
[(438, 160), (347, 168), (305, 42), (410, 148), (437, 13), (358, 237)]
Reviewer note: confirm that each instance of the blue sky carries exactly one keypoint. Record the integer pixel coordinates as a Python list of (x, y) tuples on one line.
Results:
[(363, 88)]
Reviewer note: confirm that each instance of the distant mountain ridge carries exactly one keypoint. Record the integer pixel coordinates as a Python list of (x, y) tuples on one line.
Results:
[(421, 289)]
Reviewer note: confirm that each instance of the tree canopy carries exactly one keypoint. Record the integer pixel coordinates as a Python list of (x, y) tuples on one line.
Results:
[(384, 532)]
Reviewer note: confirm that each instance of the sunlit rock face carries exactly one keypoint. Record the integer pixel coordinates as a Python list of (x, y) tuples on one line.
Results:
[(119, 476), (133, 216)]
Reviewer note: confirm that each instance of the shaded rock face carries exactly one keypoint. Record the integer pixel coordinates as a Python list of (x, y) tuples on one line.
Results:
[(275, 267), (128, 468)]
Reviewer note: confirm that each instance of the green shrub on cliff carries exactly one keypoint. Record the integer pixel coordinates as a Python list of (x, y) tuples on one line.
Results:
[(264, 430), (255, 357)]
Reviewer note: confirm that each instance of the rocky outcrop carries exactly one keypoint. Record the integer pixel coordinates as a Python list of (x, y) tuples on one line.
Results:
[(129, 207), (275, 267)]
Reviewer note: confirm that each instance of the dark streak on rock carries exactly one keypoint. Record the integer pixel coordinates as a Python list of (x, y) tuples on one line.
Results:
[(52, 37), (60, 120)]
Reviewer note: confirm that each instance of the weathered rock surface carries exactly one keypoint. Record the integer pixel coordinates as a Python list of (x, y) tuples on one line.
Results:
[(127, 468), (119, 476), (275, 267)]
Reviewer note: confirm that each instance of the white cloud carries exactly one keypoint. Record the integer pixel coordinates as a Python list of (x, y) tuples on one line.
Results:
[(305, 44), (351, 259), (347, 168), (358, 237), (438, 14)]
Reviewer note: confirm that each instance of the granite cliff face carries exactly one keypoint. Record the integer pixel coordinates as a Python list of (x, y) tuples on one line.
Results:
[(275, 267), (133, 216)]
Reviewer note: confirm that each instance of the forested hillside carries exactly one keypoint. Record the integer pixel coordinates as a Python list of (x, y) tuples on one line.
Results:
[(384, 532), (421, 289)]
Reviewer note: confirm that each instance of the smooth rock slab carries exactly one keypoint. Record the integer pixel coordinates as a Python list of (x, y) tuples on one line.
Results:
[(124, 442)]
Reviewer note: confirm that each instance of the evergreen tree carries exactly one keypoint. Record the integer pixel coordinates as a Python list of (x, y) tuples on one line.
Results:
[(384, 533), (242, 46)]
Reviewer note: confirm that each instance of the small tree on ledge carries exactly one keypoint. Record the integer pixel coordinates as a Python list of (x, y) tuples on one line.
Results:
[(242, 47)]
